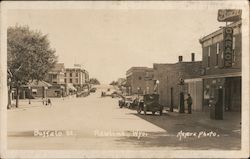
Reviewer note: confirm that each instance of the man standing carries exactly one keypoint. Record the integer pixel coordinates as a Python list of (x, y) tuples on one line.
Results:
[(189, 103)]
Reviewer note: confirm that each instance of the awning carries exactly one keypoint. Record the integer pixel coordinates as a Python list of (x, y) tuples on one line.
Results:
[(235, 74), (71, 87), (36, 83)]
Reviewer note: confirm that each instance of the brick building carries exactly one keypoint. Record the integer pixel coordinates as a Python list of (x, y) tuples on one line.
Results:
[(218, 78), (140, 80), (169, 76)]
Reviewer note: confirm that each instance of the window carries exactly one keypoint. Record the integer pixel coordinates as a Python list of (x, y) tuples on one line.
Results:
[(65, 80), (70, 80), (139, 78), (70, 74), (208, 57), (76, 80), (217, 53), (65, 74), (76, 74), (54, 76)]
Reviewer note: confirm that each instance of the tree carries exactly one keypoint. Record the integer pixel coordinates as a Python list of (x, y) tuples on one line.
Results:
[(94, 81), (30, 56)]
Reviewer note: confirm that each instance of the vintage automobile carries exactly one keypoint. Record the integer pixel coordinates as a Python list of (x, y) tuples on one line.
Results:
[(150, 103), (126, 101), (92, 90)]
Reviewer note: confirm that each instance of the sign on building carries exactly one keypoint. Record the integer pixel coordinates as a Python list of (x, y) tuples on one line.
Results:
[(228, 46), (229, 15)]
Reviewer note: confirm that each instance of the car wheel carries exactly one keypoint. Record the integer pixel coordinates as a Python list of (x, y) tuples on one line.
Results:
[(145, 111), (139, 111), (160, 112), (128, 104)]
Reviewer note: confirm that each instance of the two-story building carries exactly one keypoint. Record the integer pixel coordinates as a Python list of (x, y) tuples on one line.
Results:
[(221, 63), (140, 80)]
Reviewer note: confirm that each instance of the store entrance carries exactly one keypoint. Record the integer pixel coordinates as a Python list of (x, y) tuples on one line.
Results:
[(232, 100)]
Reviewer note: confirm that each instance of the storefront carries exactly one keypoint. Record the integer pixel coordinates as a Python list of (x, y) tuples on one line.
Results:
[(224, 89)]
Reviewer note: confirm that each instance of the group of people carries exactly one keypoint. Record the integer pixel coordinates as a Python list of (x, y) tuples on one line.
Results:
[(47, 101)]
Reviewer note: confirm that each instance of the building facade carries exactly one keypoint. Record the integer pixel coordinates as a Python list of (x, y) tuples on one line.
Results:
[(56, 75), (169, 77), (222, 68), (140, 80), (76, 76)]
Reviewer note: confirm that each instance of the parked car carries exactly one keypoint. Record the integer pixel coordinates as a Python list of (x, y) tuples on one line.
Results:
[(150, 102), (92, 90), (126, 101)]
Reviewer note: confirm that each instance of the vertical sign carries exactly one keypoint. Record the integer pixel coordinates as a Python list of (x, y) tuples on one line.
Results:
[(228, 46)]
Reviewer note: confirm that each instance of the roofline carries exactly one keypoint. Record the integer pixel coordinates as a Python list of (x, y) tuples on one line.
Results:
[(219, 31)]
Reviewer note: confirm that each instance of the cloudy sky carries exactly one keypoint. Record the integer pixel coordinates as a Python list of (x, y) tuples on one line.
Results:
[(109, 42)]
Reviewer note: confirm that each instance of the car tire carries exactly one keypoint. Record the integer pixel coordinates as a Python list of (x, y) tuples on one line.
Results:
[(160, 112), (145, 111), (139, 111)]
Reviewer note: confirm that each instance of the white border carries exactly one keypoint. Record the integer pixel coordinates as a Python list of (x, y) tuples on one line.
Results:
[(199, 5)]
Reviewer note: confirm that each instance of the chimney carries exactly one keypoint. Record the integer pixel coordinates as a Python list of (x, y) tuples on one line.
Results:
[(192, 57), (180, 58)]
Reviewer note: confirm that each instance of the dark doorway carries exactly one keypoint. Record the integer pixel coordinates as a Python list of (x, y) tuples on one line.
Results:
[(233, 94)]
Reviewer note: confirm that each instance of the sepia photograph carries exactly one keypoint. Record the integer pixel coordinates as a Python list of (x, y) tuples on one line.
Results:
[(124, 79)]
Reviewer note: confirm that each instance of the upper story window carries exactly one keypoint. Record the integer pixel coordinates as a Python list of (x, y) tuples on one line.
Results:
[(76, 74), (208, 56), (65, 74), (70, 74), (70, 80), (217, 53)]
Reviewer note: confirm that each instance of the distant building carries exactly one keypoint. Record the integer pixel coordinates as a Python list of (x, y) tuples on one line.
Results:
[(56, 75), (169, 76), (77, 76), (217, 76), (140, 80)]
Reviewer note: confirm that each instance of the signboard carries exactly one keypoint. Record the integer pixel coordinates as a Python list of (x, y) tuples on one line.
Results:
[(228, 46), (229, 15)]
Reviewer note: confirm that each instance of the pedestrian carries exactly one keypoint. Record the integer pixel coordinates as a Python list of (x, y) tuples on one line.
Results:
[(189, 103), (49, 102), (43, 100)]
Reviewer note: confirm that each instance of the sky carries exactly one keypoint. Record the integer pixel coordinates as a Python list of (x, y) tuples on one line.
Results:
[(108, 42)]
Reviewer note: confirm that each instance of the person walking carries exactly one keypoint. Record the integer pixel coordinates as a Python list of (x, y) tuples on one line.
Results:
[(49, 102), (189, 103)]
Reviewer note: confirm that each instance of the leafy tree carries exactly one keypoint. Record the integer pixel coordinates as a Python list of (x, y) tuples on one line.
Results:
[(94, 81), (29, 54)]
